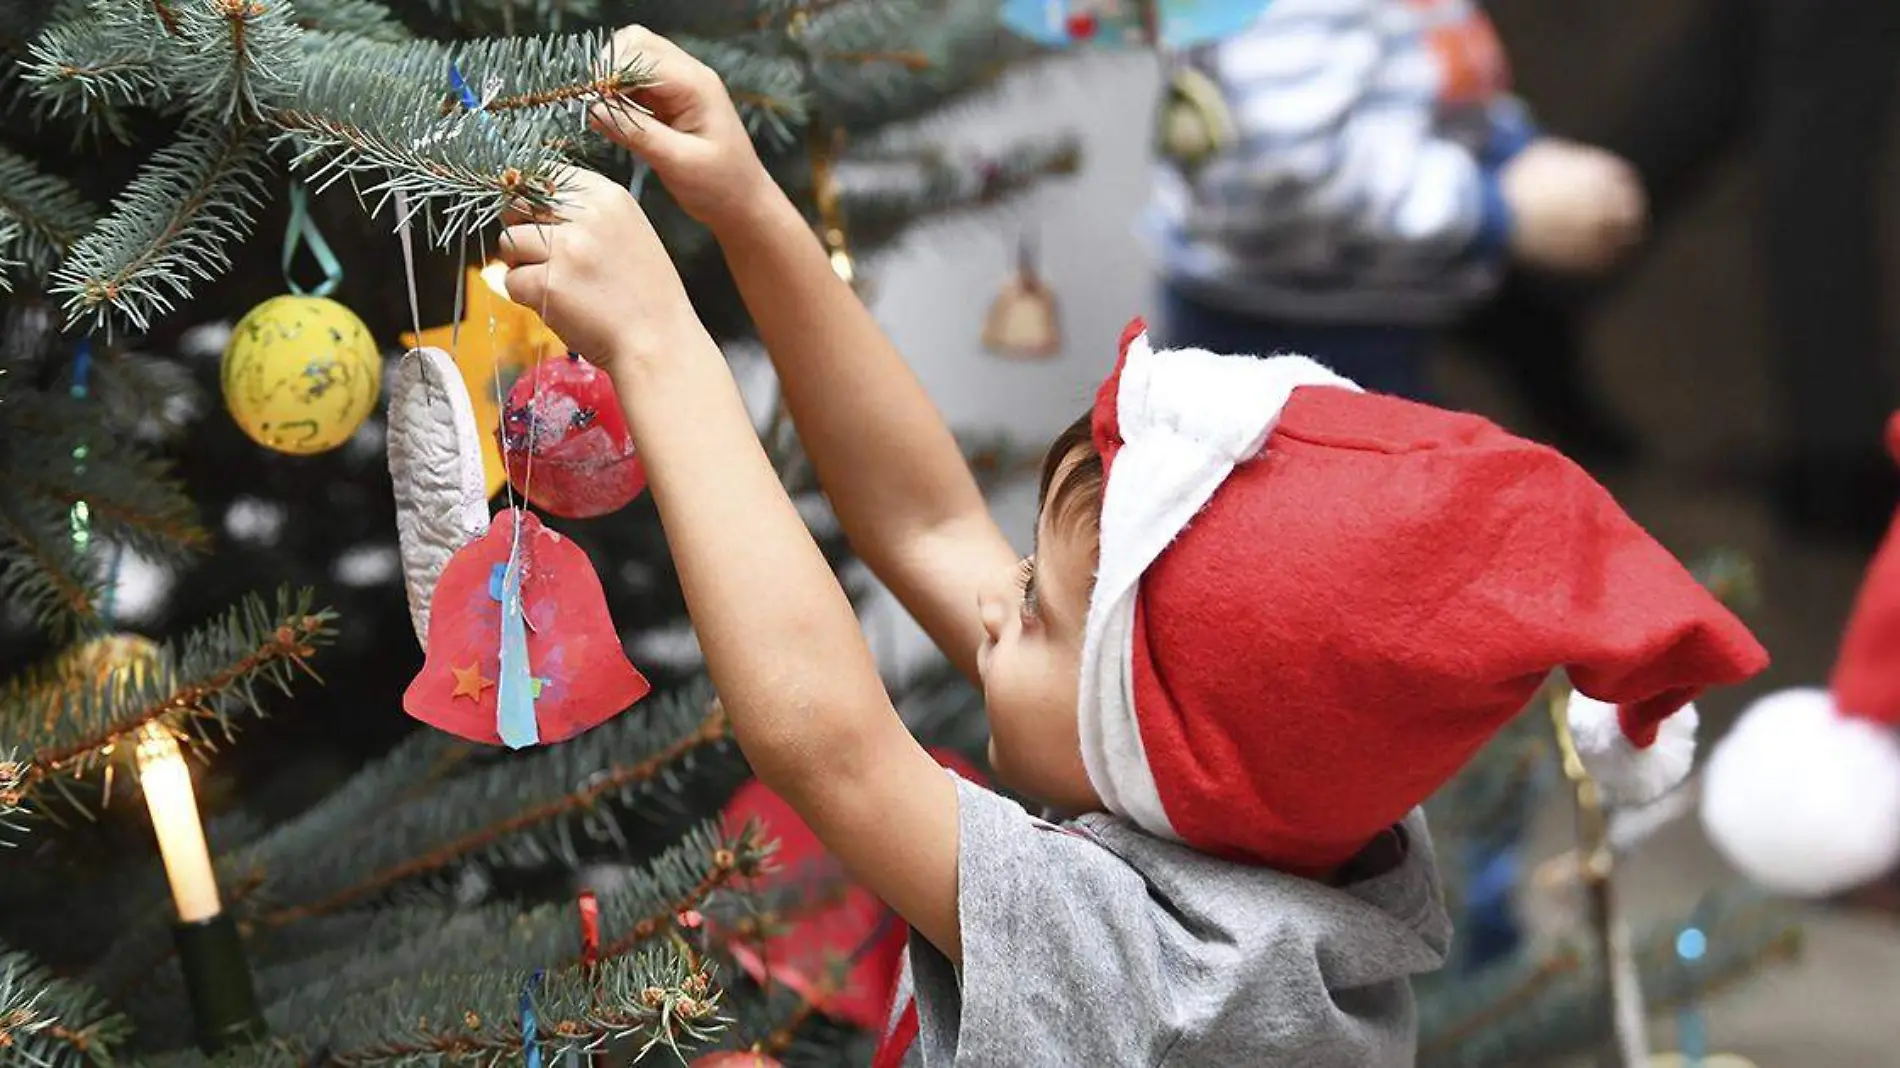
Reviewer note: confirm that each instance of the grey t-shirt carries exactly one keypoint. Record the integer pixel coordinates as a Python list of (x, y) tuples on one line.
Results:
[(1094, 943)]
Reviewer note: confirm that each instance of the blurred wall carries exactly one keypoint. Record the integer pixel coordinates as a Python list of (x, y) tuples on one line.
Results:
[(931, 293)]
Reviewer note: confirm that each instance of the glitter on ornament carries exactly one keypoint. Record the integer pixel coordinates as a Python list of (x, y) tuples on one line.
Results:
[(566, 443), (301, 374)]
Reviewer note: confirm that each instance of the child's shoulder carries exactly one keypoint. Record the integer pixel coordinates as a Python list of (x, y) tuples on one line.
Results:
[(1116, 925)]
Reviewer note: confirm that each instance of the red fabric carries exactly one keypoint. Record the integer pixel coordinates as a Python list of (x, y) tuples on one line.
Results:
[(858, 927), (572, 643), (1866, 678), (893, 1046), (1359, 609)]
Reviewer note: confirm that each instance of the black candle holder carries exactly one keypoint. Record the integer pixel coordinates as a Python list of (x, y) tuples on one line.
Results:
[(218, 982)]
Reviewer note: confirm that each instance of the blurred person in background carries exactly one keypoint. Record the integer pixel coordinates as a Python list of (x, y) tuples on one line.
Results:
[(1810, 86), (1349, 178)]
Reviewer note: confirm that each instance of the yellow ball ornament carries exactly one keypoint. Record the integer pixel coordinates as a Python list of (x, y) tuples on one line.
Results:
[(301, 374)]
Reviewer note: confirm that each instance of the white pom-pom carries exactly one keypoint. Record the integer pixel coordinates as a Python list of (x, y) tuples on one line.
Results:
[(1631, 776), (1803, 800)]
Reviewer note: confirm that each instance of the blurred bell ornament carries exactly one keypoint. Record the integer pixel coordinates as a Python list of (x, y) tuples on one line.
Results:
[(300, 374), (565, 441), (1023, 321)]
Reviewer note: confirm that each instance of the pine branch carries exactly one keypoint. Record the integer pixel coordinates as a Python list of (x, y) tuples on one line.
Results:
[(90, 68), (656, 999), (64, 722), (48, 215), (48, 1022), (167, 14), (11, 796), (58, 455), (238, 60), (519, 810), (144, 398), (1541, 1006), (513, 17), (412, 940), (940, 186), (373, 113), (41, 572), (513, 74), (173, 224), (366, 19)]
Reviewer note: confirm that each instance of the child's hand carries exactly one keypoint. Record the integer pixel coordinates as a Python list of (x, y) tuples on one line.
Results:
[(692, 136), (1574, 208), (598, 274)]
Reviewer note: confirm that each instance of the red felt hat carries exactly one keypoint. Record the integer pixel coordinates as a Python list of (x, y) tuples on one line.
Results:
[(1314, 604), (1803, 795)]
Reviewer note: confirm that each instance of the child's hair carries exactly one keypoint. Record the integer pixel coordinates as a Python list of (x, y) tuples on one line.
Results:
[(1078, 497)]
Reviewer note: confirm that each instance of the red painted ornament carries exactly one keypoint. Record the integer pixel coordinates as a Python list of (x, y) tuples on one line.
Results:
[(565, 442), (1082, 25), (729, 1058), (853, 927), (582, 677)]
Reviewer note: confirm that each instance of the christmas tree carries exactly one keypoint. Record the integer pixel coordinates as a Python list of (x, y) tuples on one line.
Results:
[(169, 164)]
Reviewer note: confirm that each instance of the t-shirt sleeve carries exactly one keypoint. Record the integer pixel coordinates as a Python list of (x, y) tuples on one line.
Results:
[(1062, 961)]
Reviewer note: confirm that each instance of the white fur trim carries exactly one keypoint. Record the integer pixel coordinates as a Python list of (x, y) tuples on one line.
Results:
[(435, 466), (1802, 799), (1187, 416), (1631, 776)]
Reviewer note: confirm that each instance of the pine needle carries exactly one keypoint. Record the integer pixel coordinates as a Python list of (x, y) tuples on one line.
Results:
[(172, 227)]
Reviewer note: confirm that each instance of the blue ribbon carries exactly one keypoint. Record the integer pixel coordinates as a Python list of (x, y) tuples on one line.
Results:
[(514, 697), (302, 229), (529, 1028)]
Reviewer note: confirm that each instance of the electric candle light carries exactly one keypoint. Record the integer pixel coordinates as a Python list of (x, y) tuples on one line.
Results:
[(210, 953), (181, 837)]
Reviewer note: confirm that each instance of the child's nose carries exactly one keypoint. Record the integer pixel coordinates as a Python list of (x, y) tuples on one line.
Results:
[(991, 609)]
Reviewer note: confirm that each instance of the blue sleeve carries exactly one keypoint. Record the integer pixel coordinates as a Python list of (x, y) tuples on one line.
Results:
[(1512, 130), (1494, 218)]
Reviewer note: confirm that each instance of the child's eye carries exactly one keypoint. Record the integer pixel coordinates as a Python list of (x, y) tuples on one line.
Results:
[(1026, 578)]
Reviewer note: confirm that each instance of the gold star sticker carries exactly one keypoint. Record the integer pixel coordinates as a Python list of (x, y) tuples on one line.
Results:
[(469, 682)]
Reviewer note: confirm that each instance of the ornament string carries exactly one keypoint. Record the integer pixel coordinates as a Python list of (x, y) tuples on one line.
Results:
[(514, 688), (302, 231)]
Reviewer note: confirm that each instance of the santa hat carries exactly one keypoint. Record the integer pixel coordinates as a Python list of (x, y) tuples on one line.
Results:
[(1803, 795), (1314, 604)]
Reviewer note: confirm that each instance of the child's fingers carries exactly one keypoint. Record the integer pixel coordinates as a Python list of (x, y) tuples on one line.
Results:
[(525, 244), (528, 284), (638, 131)]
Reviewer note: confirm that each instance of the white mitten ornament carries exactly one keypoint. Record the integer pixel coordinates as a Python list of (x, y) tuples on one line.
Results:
[(435, 461)]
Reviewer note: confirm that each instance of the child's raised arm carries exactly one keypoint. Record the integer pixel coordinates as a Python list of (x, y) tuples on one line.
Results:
[(893, 471), (782, 643)]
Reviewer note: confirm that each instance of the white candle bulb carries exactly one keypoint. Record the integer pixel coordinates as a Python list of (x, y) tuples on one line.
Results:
[(495, 273), (181, 838)]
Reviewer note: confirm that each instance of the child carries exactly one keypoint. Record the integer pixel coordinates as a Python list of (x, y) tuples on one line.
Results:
[(1373, 186), (1239, 716)]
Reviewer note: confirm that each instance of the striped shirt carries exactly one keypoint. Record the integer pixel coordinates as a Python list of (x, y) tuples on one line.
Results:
[(1361, 184)]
